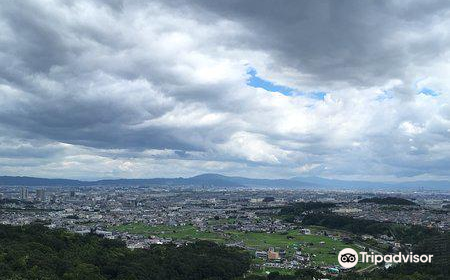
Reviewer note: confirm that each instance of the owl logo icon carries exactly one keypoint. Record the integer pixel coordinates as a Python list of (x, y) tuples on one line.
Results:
[(348, 258)]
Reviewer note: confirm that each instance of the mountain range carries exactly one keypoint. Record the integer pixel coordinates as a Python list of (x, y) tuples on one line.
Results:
[(218, 180)]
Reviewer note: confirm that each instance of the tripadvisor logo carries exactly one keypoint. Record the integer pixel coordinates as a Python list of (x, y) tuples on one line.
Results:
[(348, 258)]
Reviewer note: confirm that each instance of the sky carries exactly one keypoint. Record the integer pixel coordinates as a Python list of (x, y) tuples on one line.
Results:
[(137, 89)]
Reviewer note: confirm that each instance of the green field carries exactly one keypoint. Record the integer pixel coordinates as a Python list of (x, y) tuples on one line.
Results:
[(323, 254)]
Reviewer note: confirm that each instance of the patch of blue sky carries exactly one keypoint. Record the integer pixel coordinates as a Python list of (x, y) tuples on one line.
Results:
[(428, 91), (387, 94), (257, 82), (317, 95)]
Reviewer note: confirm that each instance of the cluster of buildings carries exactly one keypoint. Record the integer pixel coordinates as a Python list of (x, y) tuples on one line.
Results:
[(25, 195)]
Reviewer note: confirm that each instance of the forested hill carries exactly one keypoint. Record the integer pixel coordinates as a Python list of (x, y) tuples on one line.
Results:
[(35, 252), (206, 180)]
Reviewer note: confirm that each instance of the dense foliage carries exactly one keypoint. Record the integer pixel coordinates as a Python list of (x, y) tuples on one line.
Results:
[(387, 200), (357, 226), (404, 233), (291, 211), (35, 252)]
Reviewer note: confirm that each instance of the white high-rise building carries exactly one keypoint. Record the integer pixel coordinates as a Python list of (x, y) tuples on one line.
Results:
[(24, 193)]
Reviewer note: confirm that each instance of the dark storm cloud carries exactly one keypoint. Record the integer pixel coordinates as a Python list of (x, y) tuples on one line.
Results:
[(57, 63), (360, 42), (36, 41)]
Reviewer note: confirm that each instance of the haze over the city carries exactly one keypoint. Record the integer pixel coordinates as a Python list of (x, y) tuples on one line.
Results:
[(355, 90)]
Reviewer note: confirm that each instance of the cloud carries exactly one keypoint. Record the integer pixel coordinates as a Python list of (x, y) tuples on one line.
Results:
[(138, 89)]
